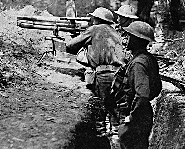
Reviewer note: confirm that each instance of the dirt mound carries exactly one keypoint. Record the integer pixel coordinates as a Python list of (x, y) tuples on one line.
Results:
[(168, 130)]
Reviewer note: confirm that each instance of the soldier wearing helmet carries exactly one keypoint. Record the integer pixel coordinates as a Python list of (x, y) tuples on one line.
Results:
[(126, 15), (104, 54), (141, 84)]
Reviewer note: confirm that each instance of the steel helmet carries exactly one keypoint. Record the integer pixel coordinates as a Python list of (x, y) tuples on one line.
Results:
[(127, 11), (103, 14), (141, 30)]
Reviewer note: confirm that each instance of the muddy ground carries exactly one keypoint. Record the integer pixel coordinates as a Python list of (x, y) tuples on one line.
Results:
[(47, 106), (51, 110)]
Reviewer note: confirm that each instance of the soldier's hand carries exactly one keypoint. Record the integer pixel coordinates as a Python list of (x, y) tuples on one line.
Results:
[(127, 119)]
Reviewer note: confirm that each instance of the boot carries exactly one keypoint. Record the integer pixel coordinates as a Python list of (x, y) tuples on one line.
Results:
[(114, 125), (101, 123), (101, 128)]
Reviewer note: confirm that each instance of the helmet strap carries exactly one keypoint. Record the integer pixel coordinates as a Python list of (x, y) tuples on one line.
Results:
[(126, 21)]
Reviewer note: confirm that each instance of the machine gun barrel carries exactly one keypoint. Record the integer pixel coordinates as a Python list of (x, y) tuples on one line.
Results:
[(41, 19), (25, 23), (62, 27), (51, 19), (66, 24), (75, 22)]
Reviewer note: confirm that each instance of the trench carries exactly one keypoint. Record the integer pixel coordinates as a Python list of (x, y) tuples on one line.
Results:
[(168, 128), (85, 133), (71, 75), (169, 116)]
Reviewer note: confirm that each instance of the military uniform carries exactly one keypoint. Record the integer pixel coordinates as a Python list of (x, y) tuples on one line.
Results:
[(141, 80), (126, 15), (141, 84), (104, 54)]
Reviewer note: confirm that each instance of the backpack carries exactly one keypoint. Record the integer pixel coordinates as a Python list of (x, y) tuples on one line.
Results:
[(155, 82), (118, 84)]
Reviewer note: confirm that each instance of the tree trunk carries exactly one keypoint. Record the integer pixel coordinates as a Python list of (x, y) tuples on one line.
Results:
[(144, 9), (174, 11)]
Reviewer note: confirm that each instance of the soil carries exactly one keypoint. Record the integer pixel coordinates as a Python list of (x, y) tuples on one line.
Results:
[(50, 111)]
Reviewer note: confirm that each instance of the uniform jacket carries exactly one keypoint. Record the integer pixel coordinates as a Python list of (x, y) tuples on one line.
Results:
[(142, 80), (103, 44)]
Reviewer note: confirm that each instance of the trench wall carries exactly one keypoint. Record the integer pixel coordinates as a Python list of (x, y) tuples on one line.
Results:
[(169, 122)]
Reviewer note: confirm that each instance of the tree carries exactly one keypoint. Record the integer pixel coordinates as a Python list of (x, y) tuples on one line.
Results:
[(143, 10), (174, 11)]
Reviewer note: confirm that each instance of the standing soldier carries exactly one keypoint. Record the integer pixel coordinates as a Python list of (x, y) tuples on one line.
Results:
[(104, 54), (126, 15), (141, 84)]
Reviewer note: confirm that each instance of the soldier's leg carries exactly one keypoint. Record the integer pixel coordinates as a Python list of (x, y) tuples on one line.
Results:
[(135, 134), (103, 85)]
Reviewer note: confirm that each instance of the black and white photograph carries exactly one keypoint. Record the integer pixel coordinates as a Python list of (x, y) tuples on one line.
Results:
[(92, 74)]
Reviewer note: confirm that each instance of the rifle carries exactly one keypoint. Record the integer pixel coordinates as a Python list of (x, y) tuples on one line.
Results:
[(169, 61), (56, 24)]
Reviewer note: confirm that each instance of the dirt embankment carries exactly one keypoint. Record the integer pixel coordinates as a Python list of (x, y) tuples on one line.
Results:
[(168, 130), (43, 106)]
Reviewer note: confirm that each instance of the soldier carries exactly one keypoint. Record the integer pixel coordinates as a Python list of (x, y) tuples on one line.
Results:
[(141, 84), (104, 55), (126, 15)]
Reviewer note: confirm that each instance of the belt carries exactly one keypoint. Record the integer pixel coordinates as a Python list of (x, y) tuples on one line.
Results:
[(106, 68)]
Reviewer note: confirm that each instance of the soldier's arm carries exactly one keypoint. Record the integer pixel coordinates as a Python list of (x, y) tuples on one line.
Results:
[(75, 44), (142, 90)]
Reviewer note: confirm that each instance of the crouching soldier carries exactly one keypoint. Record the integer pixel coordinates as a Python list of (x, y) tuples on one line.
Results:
[(104, 54)]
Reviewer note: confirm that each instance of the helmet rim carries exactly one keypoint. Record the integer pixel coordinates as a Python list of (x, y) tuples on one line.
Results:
[(108, 12), (149, 36), (127, 11)]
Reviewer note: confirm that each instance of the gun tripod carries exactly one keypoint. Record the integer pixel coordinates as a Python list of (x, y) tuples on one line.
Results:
[(53, 51)]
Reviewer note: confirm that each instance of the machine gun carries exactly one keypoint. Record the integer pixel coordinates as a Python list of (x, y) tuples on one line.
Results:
[(55, 24), (75, 25), (72, 25)]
